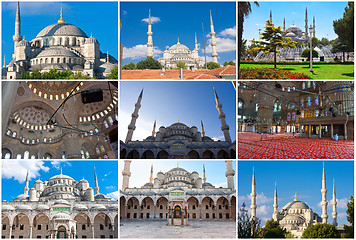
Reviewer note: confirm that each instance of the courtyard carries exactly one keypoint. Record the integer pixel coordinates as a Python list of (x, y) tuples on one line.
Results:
[(159, 229)]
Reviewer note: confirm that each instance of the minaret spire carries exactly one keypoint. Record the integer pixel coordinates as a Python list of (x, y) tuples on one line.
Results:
[(214, 54), (334, 213), (284, 24), (149, 36), (275, 205), (132, 127), (306, 21), (196, 42), (202, 128), (253, 196), (324, 201), (230, 173), (25, 190), (4, 61), (224, 127), (107, 56), (96, 188), (17, 36), (270, 15), (151, 174), (204, 177), (61, 20), (154, 129), (61, 170)]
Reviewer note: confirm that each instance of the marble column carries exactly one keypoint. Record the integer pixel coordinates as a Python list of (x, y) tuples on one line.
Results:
[(319, 130), (154, 211), (332, 131), (10, 231), (72, 146), (230, 211), (139, 212), (30, 233), (199, 211), (345, 130), (309, 131)]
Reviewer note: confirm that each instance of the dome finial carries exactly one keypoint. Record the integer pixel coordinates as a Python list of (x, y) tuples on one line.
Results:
[(177, 165), (61, 20), (61, 171), (4, 61), (107, 56), (178, 41), (295, 198)]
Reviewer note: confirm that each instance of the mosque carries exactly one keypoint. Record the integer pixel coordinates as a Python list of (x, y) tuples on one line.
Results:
[(181, 53), (61, 45), (60, 207), (178, 196), (296, 114), (296, 215), (59, 120), (178, 140)]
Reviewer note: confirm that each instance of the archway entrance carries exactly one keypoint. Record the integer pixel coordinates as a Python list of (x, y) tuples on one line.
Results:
[(61, 233), (177, 212)]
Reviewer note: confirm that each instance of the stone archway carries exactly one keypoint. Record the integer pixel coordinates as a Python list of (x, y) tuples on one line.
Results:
[(207, 154), (123, 208), (116, 224), (83, 226), (193, 155), (103, 226), (233, 207), (133, 154), (193, 208), (21, 226), (40, 226), (5, 221), (148, 154), (147, 208), (123, 154), (161, 208), (232, 154), (222, 154), (163, 154), (132, 208), (208, 208), (223, 210)]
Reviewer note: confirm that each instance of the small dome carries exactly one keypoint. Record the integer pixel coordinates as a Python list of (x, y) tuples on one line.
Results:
[(207, 184), (83, 181), (61, 201), (38, 181), (42, 207), (218, 192), (206, 138), (164, 145), (151, 138), (191, 192), (193, 127), (178, 169), (137, 145), (98, 207), (7, 208), (80, 207), (23, 207), (56, 51), (148, 184), (192, 145), (160, 173), (22, 197), (163, 192), (114, 207), (23, 43), (195, 172), (296, 205), (62, 29), (61, 216), (290, 34), (150, 192), (136, 192), (150, 145), (206, 192), (177, 188), (91, 40), (100, 196)]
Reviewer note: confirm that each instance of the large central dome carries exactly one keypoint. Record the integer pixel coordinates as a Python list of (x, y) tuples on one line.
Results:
[(62, 29)]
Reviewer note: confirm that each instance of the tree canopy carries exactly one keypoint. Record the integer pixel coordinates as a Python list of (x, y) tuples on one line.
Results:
[(129, 66), (229, 63), (148, 63), (306, 53), (271, 230), (181, 64), (212, 65), (246, 227), (344, 27), (53, 73), (321, 230), (349, 230), (114, 74)]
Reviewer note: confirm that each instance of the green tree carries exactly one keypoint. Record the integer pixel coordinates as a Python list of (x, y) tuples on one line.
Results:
[(344, 27), (36, 74), (244, 9), (129, 66), (246, 227), (306, 53), (244, 48), (114, 74), (272, 40), (231, 63), (271, 230), (181, 64), (315, 41), (339, 45), (349, 229), (25, 74), (321, 230), (149, 63), (324, 41), (212, 65)]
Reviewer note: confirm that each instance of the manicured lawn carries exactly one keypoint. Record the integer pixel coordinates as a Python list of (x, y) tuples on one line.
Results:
[(322, 71)]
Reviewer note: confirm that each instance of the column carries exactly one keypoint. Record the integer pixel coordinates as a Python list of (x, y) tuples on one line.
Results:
[(200, 211), (319, 130), (309, 130), (154, 211), (216, 212), (125, 211), (10, 232), (9, 89), (72, 146), (30, 234), (139, 212), (345, 130), (230, 212), (92, 231), (332, 131)]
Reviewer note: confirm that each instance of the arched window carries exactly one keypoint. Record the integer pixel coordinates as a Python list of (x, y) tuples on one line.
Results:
[(97, 150), (87, 155), (110, 120), (256, 107), (293, 116), (26, 155), (102, 149), (47, 156), (288, 117), (6, 153), (18, 156), (317, 100), (302, 102), (106, 124), (309, 101), (241, 104), (82, 153), (317, 113), (308, 84)]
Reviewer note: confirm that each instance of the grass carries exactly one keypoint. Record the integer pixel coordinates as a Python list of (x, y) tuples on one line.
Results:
[(321, 71)]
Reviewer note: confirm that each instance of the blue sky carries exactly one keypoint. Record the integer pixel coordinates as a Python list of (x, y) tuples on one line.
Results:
[(301, 177), (96, 17), (14, 175), (324, 13), (214, 170), (177, 19), (166, 102)]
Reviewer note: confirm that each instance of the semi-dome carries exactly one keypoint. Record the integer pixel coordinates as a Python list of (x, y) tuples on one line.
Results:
[(56, 51), (148, 184), (22, 197), (41, 207), (206, 184), (61, 201), (80, 207), (61, 216), (62, 29), (179, 46), (98, 207)]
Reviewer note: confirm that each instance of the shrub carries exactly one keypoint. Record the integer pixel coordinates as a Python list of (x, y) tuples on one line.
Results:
[(269, 73)]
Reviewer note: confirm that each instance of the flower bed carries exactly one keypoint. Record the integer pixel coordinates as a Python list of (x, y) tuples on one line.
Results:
[(269, 73)]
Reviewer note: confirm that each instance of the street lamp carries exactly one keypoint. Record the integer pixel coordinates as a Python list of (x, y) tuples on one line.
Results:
[(311, 30)]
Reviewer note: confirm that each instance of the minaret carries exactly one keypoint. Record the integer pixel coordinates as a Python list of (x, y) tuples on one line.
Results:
[(334, 206), (204, 177), (284, 24), (96, 188), (270, 15), (17, 36), (126, 174), (253, 196), (151, 174), (154, 129), (4, 61), (202, 128), (324, 202), (306, 21), (149, 36), (107, 56), (214, 54), (132, 127), (61, 20), (224, 127), (25, 190), (275, 204), (196, 42), (230, 173), (313, 26)]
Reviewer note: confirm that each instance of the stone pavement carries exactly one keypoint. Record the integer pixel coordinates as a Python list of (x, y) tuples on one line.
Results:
[(159, 229)]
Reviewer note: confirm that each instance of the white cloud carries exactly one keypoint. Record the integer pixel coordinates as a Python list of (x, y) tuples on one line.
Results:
[(113, 195), (107, 174), (218, 138), (124, 12), (261, 199), (342, 216), (228, 32), (139, 51), (222, 45), (217, 185), (153, 20), (259, 24), (341, 203), (17, 169)]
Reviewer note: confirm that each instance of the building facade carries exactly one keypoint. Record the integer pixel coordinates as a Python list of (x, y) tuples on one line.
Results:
[(178, 140), (61, 45), (178, 194), (60, 207), (315, 109)]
